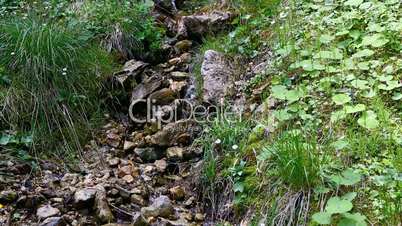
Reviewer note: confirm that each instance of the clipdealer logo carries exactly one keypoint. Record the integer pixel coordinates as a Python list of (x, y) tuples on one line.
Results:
[(181, 109)]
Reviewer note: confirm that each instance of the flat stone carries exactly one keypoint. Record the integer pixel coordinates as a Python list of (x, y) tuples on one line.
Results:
[(8, 197), (84, 197), (53, 221), (161, 165), (177, 193), (128, 178), (128, 145), (178, 75), (148, 154), (161, 207), (47, 211), (174, 153)]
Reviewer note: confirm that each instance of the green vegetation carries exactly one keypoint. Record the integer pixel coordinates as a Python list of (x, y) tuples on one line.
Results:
[(335, 80), (53, 61)]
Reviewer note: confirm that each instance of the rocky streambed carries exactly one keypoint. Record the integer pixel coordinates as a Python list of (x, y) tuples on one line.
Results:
[(142, 169)]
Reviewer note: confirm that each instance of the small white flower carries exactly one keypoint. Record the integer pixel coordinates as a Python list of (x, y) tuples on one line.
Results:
[(218, 141), (235, 147), (65, 69), (64, 73), (12, 53), (273, 22)]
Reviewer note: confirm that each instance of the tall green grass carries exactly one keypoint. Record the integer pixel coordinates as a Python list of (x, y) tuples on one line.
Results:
[(55, 77), (296, 160)]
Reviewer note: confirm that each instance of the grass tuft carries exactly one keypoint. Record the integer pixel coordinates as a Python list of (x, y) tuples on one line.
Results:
[(55, 76)]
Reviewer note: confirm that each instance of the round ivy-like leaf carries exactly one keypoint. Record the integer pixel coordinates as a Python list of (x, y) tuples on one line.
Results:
[(341, 99), (368, 120), (322, 218), (338, 205)]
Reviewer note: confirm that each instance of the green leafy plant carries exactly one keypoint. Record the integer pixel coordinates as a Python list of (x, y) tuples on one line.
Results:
[(339, 208)]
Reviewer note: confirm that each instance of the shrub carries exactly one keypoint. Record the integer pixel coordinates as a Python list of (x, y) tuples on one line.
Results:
[(55, 76)]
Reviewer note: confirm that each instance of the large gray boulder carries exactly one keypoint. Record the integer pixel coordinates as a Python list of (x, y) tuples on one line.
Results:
[(202, 24), (217, 74)]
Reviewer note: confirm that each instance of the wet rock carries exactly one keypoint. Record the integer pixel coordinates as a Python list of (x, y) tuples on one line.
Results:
[(139, 220), (8, 197), (217, 74), (174, 61), (178, 87), (103, 212), (161, 165), (175, 153), (29, 201), (163, 96), (183, 46), (167, 6), (189, 202), (177, 193), (128, 170), (113, 139), (128, 145), (53, 221), (137, 199), (47, 211), (172, 133), (161, 207), (131, 69), (199, 25), (178, 75), (148, 86), (113, 162), (84, 197), (128, 179), (199, 217), (148, 154)]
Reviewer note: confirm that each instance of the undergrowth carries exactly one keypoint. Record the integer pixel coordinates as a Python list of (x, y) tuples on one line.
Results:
[(335, 74)]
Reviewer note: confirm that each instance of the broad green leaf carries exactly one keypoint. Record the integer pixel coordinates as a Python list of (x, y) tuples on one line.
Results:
[(347, 178), (353, 2), (349, 196), (375, 40), (340, 144), (338, 115), (355, 219), (341, 99), (390, 85), (325, 39), (360, 84), (363, 53), (355, 109), (364, 66), (350, 178), (282, 115), (322, 218), (369, 93), (279, 92), (397, 96), (368, 120), (292, 96), (338, 205), (335, 54)]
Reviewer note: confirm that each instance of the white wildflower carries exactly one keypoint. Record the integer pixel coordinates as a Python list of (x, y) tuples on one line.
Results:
[(235, 147)]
